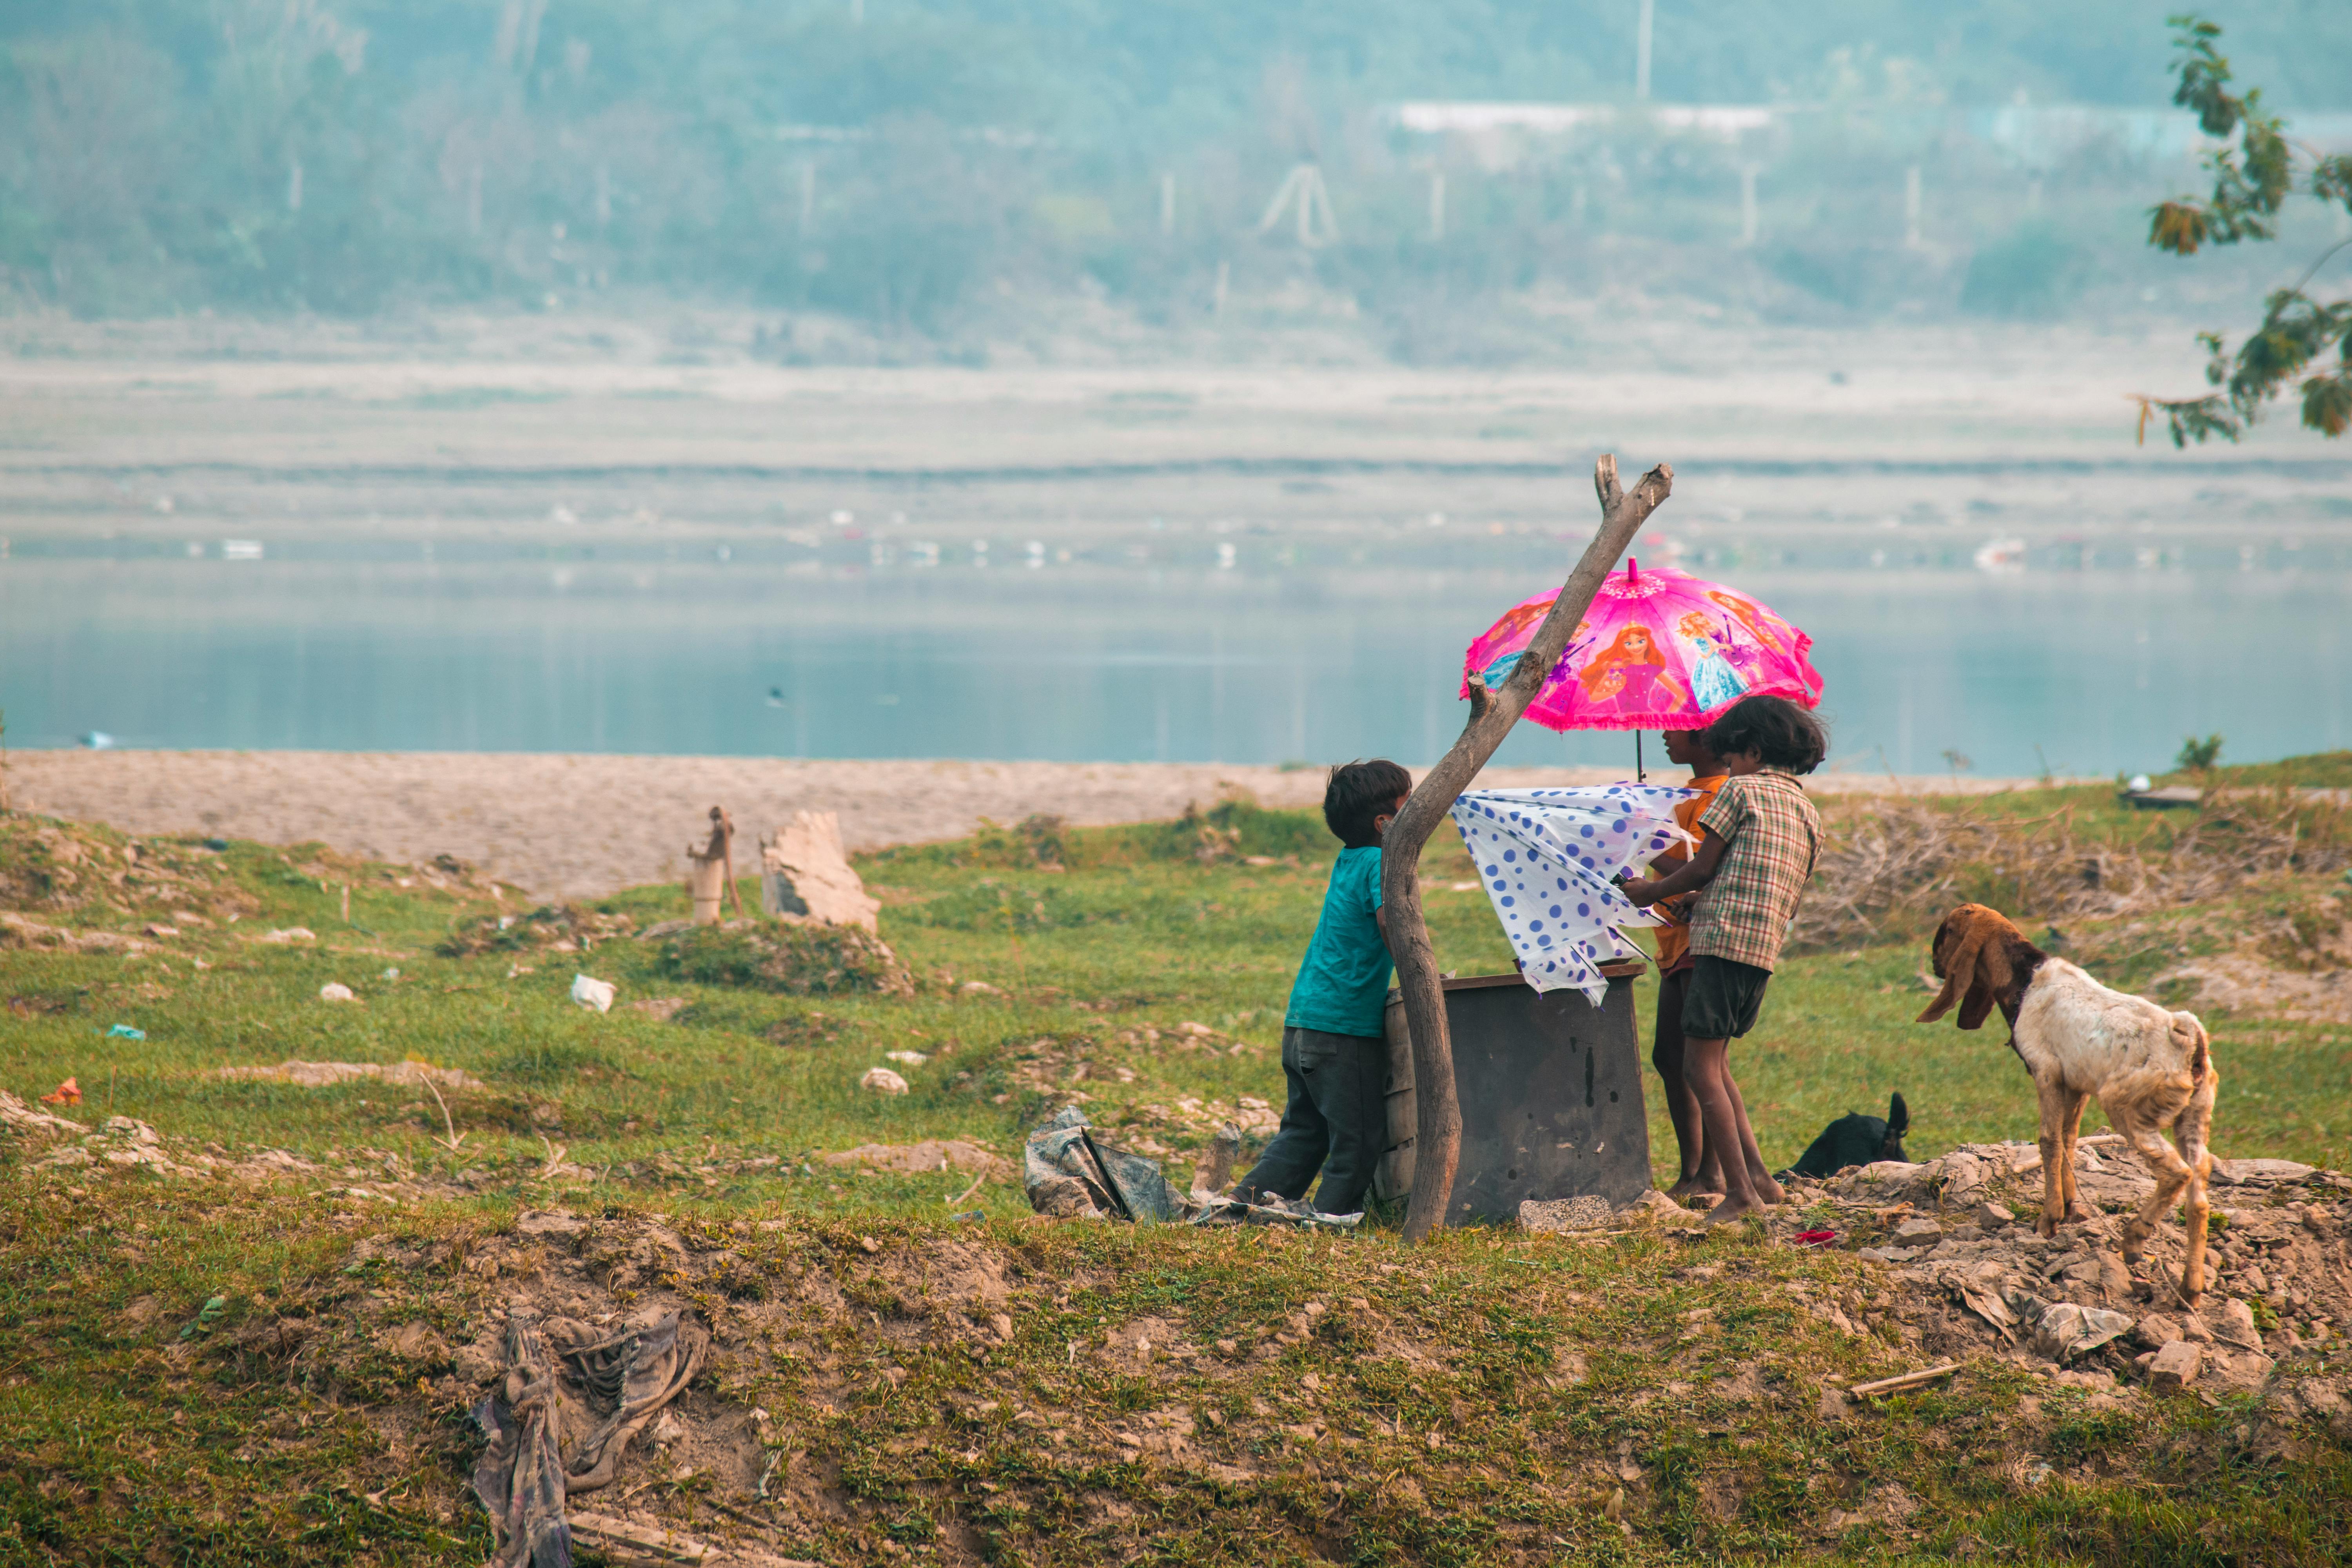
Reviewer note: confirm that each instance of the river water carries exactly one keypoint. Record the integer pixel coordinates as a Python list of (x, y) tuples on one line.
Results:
[(1961, 621)]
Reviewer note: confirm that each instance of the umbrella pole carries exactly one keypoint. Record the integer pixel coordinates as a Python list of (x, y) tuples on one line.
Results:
[(1639, 776)]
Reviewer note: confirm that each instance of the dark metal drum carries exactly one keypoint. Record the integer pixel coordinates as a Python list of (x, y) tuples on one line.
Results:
[(1550, 1090)]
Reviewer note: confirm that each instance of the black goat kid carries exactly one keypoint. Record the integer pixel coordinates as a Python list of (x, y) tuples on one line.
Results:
[(1856, 1140)]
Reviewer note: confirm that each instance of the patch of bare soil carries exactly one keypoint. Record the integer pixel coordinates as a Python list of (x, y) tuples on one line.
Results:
[(2289, 960), (2245, 982)]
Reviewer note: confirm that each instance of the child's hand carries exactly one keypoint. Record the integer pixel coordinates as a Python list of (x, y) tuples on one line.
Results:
[(1637, 891)]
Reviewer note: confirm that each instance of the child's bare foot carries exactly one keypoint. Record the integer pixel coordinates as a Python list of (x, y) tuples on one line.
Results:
[(1730, 1210), (1684, 1189), (1767, 1189)]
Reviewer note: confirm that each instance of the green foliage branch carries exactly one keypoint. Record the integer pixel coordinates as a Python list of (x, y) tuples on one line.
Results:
[(2253, 178)]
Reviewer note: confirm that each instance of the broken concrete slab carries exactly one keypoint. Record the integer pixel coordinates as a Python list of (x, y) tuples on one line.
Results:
[(2177, 1364), (805, 875), (1587, 1212)]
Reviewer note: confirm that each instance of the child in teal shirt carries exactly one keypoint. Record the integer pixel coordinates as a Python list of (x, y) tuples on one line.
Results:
[(1334, 1057)]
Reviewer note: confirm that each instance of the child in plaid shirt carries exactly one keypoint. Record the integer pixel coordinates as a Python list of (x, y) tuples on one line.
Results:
[(1763, 838)]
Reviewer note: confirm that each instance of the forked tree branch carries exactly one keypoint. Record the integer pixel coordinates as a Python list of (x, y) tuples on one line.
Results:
[(1437, 1138)]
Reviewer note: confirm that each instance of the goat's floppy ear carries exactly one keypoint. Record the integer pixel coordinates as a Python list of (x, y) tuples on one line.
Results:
[(1899, 1116), (1954, 954), (1993, 977), (1971, 958)]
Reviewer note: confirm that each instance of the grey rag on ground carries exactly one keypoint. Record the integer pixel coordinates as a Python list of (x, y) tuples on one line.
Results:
[(1069, 1174), (522, 1477)]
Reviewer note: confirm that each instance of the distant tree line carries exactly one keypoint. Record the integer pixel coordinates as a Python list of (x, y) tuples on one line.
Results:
[(909, 162)]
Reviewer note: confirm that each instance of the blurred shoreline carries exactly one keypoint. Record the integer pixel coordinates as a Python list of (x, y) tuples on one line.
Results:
[(585, 826)]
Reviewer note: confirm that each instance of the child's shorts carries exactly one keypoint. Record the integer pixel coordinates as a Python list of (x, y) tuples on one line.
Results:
[(1723, 998)]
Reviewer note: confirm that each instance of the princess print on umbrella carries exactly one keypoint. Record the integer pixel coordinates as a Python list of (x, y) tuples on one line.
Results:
[(1713, 680), (1631, 675)]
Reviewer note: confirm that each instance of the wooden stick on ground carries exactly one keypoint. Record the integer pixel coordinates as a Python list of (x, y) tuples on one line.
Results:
[(1908, 1380), (1437, 1136)]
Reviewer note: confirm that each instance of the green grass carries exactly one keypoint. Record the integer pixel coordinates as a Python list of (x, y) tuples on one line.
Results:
[(2320, 769), (283, 1435), (1133, 934)]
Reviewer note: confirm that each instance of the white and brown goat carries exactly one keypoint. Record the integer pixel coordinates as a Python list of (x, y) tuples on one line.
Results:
[(2148, 1068)]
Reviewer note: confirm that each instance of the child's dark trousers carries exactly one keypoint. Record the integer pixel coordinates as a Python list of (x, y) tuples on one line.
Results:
[(1337, 1119)]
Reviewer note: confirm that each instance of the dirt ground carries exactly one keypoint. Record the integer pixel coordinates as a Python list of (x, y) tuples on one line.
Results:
[(582, 827)]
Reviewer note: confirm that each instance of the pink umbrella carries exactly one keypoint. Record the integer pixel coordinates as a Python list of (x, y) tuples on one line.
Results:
[(1657, 650)]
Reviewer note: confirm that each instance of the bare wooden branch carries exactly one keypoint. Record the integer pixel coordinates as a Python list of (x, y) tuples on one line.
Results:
[(1605, 485), (1908, 1380), (1437, 1138)]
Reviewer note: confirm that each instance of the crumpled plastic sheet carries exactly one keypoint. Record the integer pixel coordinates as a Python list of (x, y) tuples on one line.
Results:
[(519, 1476), (522, 1477), (2063, 1330), (1067, 1171), (632, 1375), (1549, 860)]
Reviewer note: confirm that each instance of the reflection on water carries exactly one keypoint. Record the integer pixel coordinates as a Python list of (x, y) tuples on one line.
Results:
[(2084, 655)]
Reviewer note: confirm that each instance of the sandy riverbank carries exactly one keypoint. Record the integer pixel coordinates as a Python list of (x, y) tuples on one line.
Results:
[(584, 825)]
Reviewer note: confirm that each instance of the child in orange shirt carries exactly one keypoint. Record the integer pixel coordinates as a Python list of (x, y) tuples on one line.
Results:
[(1701, 1166)]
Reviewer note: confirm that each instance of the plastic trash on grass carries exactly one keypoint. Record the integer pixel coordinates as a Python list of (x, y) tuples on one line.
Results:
[(590, 992), (1067, 1172)]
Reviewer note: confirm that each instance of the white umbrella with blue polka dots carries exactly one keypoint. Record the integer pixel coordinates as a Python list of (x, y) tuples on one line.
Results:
[(1549, 860)]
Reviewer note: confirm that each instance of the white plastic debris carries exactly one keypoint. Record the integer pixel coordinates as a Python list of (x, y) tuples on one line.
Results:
[(882, 1080), (911, 1059), (336, 991), (291, 933), (590, 992), (2062, 1330)]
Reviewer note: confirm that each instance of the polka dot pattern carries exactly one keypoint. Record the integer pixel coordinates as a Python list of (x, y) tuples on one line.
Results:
[(1548, 858)]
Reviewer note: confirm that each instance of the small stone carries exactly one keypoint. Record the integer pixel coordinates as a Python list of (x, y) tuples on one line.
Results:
[(2194, 1329), (2155, 1332), (1588, 1212), (335, 991), (2176, 1365), (1992, 1216), (2237, 1326), (1918, 1230), (882, 1080)]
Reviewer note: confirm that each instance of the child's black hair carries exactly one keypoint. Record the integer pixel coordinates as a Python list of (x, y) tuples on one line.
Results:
[(1357, 793), (1775, 730)]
